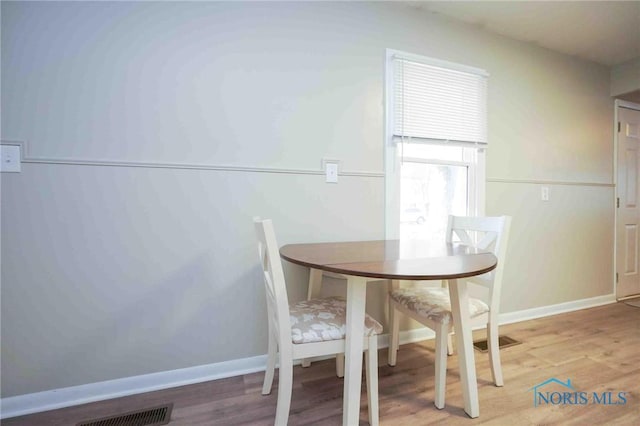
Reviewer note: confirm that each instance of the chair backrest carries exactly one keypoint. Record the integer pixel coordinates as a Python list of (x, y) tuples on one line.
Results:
[(486, 233), (275, 286)]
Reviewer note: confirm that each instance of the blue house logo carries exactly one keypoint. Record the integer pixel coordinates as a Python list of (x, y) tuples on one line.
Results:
[(544, 397), (567, 395)]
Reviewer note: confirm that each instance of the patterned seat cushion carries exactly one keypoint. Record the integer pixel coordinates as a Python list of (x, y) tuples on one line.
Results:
[(318, 320), (433, 303)]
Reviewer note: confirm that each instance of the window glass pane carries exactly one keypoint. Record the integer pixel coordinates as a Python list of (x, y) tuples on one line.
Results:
[(429, 193)]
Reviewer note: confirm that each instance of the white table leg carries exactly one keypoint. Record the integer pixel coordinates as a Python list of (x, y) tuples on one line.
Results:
[(464, 342), (356, 297), (315, 283)]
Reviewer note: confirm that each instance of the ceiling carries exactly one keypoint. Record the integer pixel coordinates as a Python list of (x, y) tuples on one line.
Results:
[(606, 32)]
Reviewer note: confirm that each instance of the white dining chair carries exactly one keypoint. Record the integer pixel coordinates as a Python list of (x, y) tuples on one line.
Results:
[(432, 307), (309, 328)]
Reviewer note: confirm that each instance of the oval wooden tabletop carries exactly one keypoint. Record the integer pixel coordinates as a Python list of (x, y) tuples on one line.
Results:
[(392, 259)]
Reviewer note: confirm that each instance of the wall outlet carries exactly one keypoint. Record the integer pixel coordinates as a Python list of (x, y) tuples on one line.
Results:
[(10, 158), (544, 193)]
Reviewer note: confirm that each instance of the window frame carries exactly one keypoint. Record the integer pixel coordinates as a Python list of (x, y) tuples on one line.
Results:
[(393, 157)]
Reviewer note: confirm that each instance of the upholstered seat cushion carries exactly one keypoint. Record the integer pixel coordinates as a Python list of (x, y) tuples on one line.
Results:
[(434, 303), (318, 320)]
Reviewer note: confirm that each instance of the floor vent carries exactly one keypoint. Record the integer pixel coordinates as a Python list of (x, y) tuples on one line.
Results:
[(147, 417), (633, 302), (503, 342)]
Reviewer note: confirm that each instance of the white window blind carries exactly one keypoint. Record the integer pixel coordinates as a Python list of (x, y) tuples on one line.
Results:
[(434, 103)]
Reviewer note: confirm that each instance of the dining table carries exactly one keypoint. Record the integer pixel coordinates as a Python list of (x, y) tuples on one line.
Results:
[(363, 262)]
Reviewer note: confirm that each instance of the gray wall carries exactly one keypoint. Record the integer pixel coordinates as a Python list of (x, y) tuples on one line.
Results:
[(625, 78), (110, 271)]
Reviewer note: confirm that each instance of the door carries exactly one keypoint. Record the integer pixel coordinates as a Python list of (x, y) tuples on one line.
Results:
[(627, 232)]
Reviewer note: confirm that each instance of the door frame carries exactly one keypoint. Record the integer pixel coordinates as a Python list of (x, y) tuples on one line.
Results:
[(617, 104)]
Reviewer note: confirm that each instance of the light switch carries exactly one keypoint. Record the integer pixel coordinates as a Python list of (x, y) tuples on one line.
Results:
[(10, 158), (331, 172)]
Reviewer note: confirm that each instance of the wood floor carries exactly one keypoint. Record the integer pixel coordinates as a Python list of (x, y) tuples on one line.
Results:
[(597, 349)]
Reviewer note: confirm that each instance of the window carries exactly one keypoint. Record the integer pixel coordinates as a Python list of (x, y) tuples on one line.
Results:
[(436, 139)]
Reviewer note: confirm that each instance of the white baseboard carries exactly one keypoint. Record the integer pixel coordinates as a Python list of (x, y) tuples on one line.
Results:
[(560, 308), (420, 334), (75, 395)]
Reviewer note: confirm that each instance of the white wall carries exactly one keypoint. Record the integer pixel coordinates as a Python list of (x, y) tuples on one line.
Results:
[(114, 271)]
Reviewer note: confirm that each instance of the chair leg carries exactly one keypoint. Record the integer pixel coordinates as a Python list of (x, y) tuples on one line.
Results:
[(271, 365), (371, 368), (340, 365), (394, 322), (285, 388), (442, 334), (494, 352), (450, 344)]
